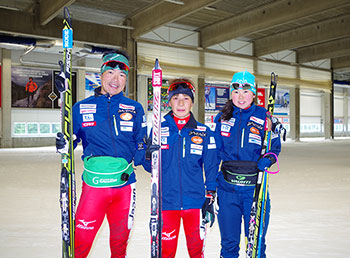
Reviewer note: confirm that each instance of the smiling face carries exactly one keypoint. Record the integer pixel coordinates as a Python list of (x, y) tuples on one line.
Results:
[(113, 81), (242, 98), (181, 105)]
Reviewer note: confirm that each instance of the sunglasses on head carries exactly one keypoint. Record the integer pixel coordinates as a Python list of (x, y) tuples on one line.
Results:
[(117, 64), (183, 84), (244, 86)]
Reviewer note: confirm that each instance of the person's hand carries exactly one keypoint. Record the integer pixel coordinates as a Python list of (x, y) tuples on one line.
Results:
[(264, 163), (208, 214), (61, 143), (150, 147)]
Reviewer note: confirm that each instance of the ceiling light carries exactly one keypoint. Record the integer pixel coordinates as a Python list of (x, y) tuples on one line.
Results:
[(175, 2)]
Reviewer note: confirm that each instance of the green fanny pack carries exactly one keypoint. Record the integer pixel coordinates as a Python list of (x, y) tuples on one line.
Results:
[(105, 171)]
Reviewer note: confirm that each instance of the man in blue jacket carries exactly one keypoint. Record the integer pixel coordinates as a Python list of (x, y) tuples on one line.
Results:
[(111, 128)]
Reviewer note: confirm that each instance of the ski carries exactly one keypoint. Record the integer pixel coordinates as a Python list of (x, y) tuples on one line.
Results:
[(257, 213), (63, 83), (156, 186)]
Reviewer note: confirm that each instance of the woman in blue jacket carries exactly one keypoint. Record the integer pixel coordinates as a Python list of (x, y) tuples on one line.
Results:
[(187, 147), (239, 131)]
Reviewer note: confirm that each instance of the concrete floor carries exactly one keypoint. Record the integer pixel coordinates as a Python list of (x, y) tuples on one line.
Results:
[(310, 215)]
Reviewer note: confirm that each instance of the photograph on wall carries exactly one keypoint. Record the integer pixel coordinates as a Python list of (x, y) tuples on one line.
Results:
[(164, 95), (92, 81), (209, 92), (31, 87), (282, 102), (222, 95), (55, 95)]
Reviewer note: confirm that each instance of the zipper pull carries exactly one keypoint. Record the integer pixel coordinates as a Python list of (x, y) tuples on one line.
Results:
[(115, 125)]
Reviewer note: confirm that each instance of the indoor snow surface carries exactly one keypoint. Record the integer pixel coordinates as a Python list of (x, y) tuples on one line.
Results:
[(310, 215)]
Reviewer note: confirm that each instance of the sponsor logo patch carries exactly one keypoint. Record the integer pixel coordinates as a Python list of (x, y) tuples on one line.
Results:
[(88, 124), (254, 130), (88, 117), (165, 147), (197, 152), (225, 134), (126, 116), (257, 120), (201, 134), (225, 128), (123, 106), (196, 139), (201, 128), (93, 106), (195, 146), (87, 111), (212, 146)]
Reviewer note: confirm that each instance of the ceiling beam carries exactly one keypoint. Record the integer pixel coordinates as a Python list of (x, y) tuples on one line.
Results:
[(304, 36), (50, 8), (340, 62), (163, 13), (25, 24), (262, 18), (330, 49)]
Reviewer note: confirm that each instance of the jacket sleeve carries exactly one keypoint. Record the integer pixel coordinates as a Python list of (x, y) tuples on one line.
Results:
[(140, 131), (76, 125), (211, 161), (275, 144), (217, 135)]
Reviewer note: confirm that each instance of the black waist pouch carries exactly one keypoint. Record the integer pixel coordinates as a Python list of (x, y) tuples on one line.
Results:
[(240, 172)]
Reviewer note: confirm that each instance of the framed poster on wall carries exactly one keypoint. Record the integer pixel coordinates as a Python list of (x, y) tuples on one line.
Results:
[(30, 87)]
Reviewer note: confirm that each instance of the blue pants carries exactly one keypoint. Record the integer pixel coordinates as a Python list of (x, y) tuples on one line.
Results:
[(232, 207)]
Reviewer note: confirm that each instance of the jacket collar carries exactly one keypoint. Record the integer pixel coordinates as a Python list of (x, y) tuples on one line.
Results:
[(192, 123), (97, 93)]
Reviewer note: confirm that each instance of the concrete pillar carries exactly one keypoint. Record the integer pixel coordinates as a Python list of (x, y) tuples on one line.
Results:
[(81, 81), (131, 48), (200, 91), (6, 121), (328, 121), (294, 116), (201, 99), (346, 111)]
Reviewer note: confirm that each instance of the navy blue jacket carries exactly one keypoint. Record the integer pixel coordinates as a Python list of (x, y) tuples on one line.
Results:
[(241, 137), (111, 126), (185, 153)]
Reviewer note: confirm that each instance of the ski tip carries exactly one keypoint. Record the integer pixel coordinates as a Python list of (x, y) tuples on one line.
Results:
[(156, 64)]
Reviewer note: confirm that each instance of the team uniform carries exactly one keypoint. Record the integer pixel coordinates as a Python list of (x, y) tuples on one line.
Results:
[(184, 154), (239, 143), (112, 127)]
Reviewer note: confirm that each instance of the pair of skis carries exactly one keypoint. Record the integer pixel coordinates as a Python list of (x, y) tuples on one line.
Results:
[(156, 176), (63, 83), (258, 209)]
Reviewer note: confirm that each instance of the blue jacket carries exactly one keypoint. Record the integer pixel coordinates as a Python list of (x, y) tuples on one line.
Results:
[(111, 126), (184, 154), (241, 137)]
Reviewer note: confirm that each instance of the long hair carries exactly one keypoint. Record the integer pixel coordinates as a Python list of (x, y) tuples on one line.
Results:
[(226, 111)]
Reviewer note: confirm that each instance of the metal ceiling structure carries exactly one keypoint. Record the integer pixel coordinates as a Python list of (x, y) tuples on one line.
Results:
[(313, 29)]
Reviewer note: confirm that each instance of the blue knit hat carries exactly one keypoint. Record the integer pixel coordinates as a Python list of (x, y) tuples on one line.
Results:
[(244, 80), (115, 61)]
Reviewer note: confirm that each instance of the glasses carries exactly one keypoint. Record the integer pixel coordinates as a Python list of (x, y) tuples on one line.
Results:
[(120, 65), (183, 84), (244, 86)]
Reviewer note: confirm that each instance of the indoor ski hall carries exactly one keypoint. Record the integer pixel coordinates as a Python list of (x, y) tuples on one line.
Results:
[(304, 43)]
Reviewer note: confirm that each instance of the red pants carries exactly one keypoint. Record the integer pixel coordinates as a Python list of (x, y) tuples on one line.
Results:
[(194, 230), (119, 206)]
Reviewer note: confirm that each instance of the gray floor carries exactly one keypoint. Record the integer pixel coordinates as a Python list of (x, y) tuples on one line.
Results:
[(310, 214)]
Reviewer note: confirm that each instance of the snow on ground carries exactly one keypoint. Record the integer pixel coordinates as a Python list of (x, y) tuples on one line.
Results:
[(310, 215)]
